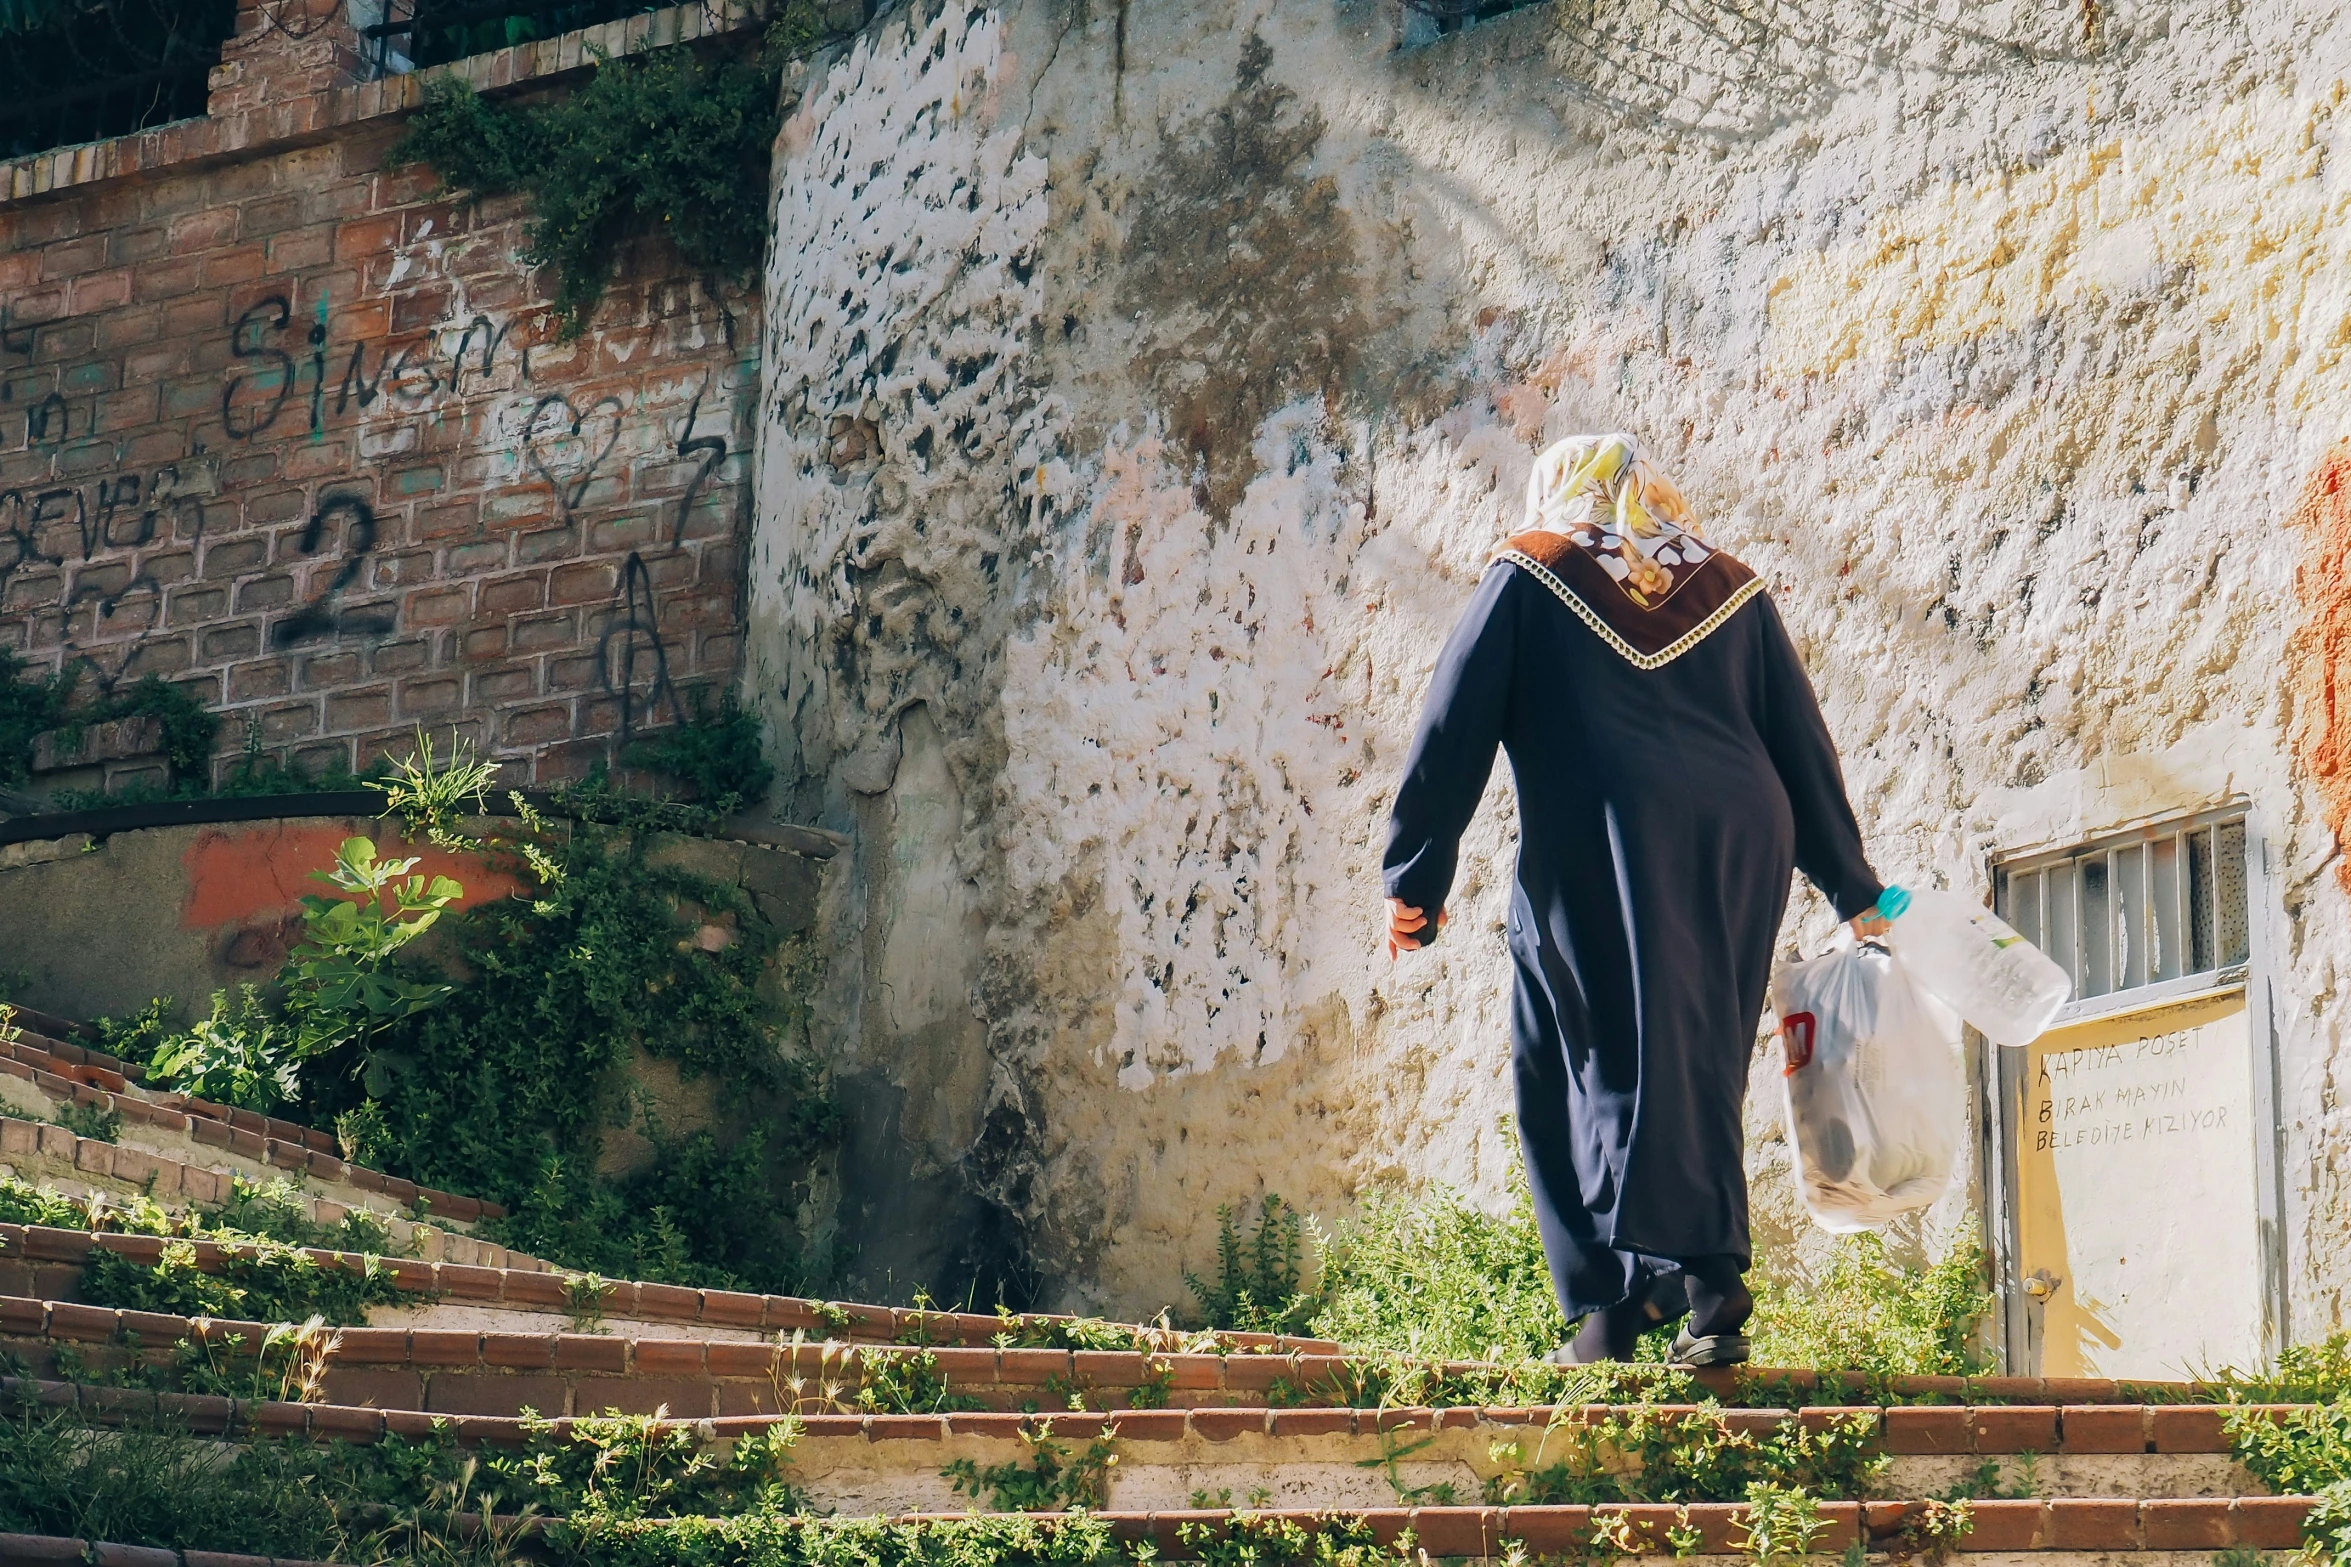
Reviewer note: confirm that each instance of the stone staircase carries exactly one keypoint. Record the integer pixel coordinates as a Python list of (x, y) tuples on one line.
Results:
[(1193, 1445), (184, 1151)]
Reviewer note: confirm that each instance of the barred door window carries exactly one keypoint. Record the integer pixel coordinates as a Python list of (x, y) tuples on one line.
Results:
[(2157, 906)]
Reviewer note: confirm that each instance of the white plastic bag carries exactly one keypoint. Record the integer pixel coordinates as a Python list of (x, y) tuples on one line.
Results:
[(1971, 958), (1875, 1094)]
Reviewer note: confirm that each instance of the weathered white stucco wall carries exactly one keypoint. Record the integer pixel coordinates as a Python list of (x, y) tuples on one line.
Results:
[(1146, 388)]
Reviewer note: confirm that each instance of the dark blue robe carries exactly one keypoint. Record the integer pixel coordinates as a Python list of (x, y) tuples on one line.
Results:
[(1660, 813)]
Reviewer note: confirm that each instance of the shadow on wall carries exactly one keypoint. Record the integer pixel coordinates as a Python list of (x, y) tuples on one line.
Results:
[(913, 1098)]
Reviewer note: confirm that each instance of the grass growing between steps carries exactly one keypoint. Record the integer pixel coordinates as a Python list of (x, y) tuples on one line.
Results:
[(634, 1492), (276, 1283), (1643, 1454), (422, 1500), (1426, 1274)]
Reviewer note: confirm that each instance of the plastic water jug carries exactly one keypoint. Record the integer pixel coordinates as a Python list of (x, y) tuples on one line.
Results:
[(1972, 960)]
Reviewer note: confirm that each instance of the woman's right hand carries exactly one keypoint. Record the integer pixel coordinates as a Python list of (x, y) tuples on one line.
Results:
[(1405, 925)]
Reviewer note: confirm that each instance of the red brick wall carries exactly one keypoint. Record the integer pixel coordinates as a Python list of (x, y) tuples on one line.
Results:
[(281, 426)]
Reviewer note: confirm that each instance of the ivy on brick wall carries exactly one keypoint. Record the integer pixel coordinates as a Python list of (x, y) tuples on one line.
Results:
[(666, 142), (31, 705)]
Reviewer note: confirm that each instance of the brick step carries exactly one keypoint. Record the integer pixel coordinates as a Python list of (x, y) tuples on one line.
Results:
[(2088, 1533), (29, 1549), (1302, 1460), (2082, 1530), (752, 1344), (1366, 1468), (37, 1081), (523, 1295), (90, 1169)]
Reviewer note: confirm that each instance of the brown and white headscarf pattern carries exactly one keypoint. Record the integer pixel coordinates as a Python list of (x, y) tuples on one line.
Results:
[(1615, 540)]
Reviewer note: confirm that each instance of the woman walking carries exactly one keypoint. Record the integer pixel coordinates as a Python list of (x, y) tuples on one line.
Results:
[(1671, 769)]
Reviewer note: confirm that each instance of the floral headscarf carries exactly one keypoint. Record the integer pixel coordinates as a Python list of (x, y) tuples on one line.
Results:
[(1611, 502)]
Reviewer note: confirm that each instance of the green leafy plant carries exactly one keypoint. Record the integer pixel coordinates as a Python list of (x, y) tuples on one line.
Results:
[(505, 1089), (1256, 1288), (664, 141), (1047, 1480), (100, 1123), (136, 1037), (241, 1055), (584, 1298), (1936, 1529), (270, 1283), (717, 753), (430, 792), (341, 986), (1647, 1454), (277, 1212), (10, 1030), (906, 1382), (1865, 1313), (614, 1466), (341, 983), (1781, 1524), (2301, 1374), (1428, 1274), (1395, 1447), (1269, 1540)]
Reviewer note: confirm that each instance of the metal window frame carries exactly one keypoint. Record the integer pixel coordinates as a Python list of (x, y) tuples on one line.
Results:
[(2000, 1072)]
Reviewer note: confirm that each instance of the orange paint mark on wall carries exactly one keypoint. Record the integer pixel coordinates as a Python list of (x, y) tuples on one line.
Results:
[(2318, 657), (240, 875)]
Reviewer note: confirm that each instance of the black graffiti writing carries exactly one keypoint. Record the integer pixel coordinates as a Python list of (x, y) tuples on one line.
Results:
[(712, 449), (324, 615), (278, 381), (411, 374), (318, 368), (553, 444), (48, 422), (633, 642), (16, 339), (126, 511)]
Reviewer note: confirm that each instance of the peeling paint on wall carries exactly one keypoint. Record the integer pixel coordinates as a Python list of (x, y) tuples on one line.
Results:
[(2320, 653)]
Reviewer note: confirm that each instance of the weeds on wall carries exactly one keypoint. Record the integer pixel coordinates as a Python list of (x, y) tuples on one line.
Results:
[(278, 1211), (1050, 1479), (32, 705), (718, 753), (506, 1089), (269, 1282), (2307, 1451), (665, 142), (273, 1280), (96, 1122), (669, 142), (497, 1066)]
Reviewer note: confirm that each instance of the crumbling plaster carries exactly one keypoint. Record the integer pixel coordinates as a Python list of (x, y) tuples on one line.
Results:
[(1146, 388)]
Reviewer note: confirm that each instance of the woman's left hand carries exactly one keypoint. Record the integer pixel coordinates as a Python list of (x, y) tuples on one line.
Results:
[(1869, 922)]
